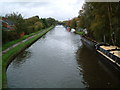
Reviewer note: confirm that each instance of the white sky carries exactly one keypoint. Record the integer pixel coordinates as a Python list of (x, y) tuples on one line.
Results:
[(58, 9)]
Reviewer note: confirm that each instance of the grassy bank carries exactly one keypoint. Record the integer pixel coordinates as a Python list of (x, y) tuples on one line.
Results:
[(80, 33), (11, 54), (8, 44)]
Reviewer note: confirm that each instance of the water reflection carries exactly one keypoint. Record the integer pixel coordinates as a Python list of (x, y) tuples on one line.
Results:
[(94, 74), (21, 58)]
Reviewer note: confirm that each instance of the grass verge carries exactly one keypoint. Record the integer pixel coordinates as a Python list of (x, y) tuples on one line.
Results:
[(11, 54), (80, 33), (8, 44)]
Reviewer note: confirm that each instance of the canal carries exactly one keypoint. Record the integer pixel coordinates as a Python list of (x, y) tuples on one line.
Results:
[(60, 60)]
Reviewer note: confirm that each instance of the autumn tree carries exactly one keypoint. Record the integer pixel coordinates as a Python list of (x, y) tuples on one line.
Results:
[(101, 20)]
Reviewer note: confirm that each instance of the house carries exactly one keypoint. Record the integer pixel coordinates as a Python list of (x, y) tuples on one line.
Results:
[(7, 24)]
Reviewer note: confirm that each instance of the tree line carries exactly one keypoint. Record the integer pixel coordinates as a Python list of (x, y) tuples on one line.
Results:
[(26, 26), (101, 19)]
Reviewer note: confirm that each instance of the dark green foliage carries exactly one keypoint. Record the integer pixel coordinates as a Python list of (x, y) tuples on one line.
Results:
[(18, 21), (43, 20), (102, 21), (51, 21), (9, 36), (27, 26)]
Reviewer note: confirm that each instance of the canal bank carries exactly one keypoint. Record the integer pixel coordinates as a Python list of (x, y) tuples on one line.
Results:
[(90, 43), (11, 54)]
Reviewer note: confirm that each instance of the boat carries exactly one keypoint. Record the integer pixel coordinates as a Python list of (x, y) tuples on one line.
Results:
[(68, 29), (73, 30), (88, 42), (111, 53)]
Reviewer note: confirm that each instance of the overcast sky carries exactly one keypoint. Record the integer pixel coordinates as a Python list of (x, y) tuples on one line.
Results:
[(58, 9)]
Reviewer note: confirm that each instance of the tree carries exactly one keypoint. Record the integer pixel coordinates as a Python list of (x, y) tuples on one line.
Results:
[(18, 21), (38, 26), (101, 20)]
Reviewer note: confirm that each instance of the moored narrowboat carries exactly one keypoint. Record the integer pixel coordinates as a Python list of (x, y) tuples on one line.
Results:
[(111, 53), (68, 29)]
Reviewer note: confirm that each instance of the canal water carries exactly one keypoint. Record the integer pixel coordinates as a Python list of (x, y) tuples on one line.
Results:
[(60, 60)]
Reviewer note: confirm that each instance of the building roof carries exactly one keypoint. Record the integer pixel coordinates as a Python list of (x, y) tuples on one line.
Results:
[(7, 21)]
